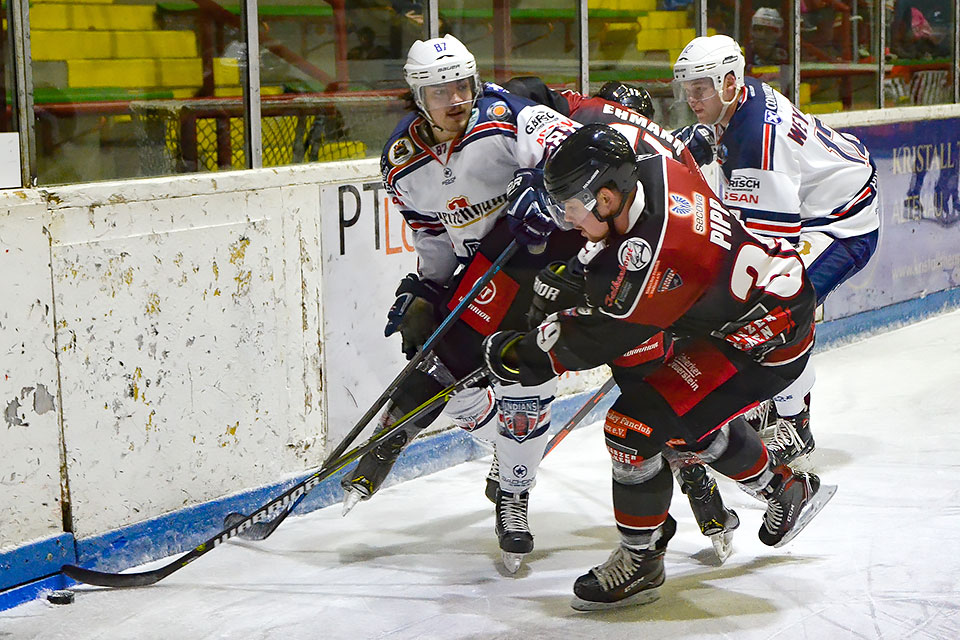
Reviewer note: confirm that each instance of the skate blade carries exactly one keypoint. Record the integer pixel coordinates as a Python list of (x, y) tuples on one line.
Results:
[(723, 544), (512, 561), (350, 499), (818, 502), (644, 597)]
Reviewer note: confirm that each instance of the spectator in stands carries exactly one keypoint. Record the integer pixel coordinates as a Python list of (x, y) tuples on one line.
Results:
[(367, 48), (766, 46), (921, 29)]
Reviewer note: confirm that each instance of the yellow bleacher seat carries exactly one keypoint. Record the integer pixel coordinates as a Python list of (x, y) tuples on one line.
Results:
[(98, 17), (47, 44)]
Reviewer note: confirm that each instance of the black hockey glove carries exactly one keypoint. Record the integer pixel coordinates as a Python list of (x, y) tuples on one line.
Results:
[(699, 140), (558, 286), (515, 358), (528, 209), (413, 313)]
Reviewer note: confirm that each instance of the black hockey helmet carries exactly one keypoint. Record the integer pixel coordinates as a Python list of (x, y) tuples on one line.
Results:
[(630, 96), (593, 157)]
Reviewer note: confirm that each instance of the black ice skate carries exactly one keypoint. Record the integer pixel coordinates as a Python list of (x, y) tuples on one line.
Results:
[(371, 471), (793, 499), (715, 520), (516, 541), (493, 480), (791, 438), (628, 577)]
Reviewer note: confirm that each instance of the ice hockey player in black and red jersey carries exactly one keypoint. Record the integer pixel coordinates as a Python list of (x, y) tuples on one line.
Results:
[(569, 102), (715, 520), (664, 254)]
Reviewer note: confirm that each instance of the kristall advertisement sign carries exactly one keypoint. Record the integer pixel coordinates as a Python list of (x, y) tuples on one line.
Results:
[(919, 250)]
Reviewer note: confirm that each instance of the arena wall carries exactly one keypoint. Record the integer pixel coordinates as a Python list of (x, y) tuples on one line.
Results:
[(178, 348)]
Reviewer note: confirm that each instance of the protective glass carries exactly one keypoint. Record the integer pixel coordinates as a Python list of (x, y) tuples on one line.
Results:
[(696, 90), (449, 94), (573, 211)]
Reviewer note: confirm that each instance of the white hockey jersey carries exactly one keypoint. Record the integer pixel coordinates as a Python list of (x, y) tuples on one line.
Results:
[(451, 194), (786, 172)]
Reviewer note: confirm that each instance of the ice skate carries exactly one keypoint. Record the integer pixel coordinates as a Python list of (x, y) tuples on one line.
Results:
[(628, 577), (714, 519), (493, 480), (761, 417), (793, 499), (516, 541), (791, 438), (371, 471)]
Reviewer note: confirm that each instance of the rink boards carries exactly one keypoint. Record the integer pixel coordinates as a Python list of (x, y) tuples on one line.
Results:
[(177, 348)]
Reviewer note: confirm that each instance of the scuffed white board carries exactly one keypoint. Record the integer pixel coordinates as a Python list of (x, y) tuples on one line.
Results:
[(173, 333), (29, 433)]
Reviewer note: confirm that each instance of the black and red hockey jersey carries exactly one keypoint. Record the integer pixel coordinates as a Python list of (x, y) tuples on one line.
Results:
[(687, 265)]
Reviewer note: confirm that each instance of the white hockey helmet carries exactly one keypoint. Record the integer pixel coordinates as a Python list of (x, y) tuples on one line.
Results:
[(437, 61), (767, 17), (710, 57)]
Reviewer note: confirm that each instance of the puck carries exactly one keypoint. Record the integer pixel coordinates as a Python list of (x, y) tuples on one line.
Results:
[(64, 596)]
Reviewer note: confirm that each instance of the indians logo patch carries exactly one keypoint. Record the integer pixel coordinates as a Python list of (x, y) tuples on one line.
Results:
[(498, 111), (635, 254), (520, 416)]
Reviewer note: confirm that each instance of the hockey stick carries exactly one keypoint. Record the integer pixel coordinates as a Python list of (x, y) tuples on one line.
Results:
[(578, 417), (295, 493), (262, 530)]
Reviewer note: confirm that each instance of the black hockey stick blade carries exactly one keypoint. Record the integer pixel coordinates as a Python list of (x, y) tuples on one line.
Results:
[(258, 530), (272, 508), (578, 417), (262, 530)]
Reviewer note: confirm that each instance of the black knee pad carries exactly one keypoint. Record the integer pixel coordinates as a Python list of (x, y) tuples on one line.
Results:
[(646, 499), (416, 389), (745, 453)]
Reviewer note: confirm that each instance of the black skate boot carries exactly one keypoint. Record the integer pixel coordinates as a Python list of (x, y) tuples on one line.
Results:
[(793, 499), (516, 541), (371, 471), (630, 576), (493, 480), (791, 438), (714, 519)]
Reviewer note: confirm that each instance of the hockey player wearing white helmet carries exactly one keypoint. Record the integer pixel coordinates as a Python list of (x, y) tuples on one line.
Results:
[(459, 169), (789, 175)]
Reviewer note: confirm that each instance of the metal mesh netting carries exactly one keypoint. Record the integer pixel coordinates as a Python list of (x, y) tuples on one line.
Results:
[(182, 136)]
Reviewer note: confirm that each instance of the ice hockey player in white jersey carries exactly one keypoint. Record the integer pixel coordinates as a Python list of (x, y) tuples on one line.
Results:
[(788, 175), (447, 167)]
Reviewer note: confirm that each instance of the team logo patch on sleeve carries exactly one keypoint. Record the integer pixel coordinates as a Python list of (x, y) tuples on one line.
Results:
[(771, 117), (400, 151), (680, 205), (498, 111), (635, 254)]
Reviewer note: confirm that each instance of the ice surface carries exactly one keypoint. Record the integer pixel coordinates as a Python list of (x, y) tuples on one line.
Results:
[(420, 560)]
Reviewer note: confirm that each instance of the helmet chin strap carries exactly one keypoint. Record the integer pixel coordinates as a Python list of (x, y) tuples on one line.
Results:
[(612, 220), (726, 105)]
